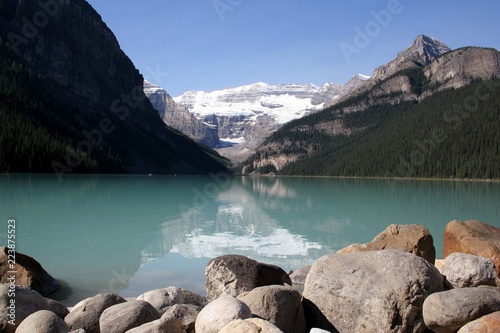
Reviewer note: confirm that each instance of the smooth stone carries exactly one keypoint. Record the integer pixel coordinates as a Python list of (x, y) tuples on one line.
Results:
[(448, 311), (472, 237), (122, 317), (299, 277), (186, 314), (219, 313), (467, 270), (86, 314), (43, 321)]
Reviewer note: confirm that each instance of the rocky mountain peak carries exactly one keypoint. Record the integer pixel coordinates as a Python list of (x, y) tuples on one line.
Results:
[(421, 52)]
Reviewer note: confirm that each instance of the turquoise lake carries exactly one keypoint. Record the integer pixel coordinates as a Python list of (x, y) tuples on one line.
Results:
[(131, 234)]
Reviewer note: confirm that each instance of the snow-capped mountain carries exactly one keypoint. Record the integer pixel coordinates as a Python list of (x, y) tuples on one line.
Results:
[(245, 116), (282, 102)]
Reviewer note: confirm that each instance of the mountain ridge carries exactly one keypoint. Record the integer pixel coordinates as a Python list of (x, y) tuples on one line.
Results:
[(341, 130)]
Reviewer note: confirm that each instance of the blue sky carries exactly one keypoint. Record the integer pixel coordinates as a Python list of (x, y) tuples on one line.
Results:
[(207, 45)]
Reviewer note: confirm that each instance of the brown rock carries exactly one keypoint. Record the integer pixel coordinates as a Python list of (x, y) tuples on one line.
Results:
[(473, 237), (43, 321), (410, 238), (279, 305), (29, 273), (235, 274), (486, 324), (252, 325)]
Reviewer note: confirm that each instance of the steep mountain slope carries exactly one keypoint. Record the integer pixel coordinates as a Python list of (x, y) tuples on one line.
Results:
[(179, 117), (72, 101), (423, 51), (410, 124)]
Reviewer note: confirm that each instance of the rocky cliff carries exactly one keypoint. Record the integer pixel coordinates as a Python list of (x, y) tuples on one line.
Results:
[(179, 117), (64, 51)]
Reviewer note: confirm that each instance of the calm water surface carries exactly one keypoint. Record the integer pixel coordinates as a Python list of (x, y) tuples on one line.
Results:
[(131, 234)]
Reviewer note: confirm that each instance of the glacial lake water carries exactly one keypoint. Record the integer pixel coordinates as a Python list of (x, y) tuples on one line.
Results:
[(131, 234)]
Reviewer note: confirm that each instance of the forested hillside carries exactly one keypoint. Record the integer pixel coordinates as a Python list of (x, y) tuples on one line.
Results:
[(449, 134)]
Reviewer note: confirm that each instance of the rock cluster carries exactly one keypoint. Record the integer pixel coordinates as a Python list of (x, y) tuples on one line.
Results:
[(363, 289)]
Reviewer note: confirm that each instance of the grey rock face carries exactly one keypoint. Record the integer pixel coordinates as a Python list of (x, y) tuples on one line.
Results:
[(179, 117), (377, 291), (466, 270), (235, 274), (43, 321), (162, 325), (125, 316), (219, 313), (299, 277), (279, 305), (447, 311), (86, 314)]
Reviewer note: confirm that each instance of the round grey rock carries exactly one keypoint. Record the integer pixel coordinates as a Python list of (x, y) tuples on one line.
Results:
[(43, 321), (185, 313), (86, 314), (219, 313), (448, 311), (125, 316), (467, 270)]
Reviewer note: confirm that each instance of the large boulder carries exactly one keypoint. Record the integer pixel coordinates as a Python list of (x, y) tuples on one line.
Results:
[(280, 305), (163, 299), (448, 311), (43, 321), (473, 237), (86, 314), (467, 270), (29, 273), (219, 313), (235, 274), (375, 291), (27, 302), (252, 325), (410, 238), (486, 324), (122, 317)]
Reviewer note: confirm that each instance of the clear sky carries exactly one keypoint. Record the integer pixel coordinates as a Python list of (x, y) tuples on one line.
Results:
[(207, 45)]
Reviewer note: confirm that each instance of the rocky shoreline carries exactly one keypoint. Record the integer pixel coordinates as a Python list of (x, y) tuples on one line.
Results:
[(391, 284)]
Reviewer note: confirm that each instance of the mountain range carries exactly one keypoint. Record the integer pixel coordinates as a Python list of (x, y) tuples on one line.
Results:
[(235, 121), (431, 112)]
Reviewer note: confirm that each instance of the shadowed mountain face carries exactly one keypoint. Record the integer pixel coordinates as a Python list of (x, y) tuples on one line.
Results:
[(65, 80)]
